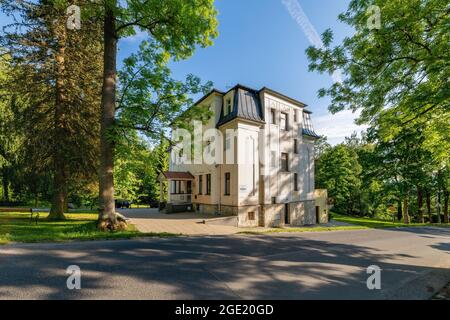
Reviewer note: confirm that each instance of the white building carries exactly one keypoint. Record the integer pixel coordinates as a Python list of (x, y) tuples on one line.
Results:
[(266, 177)]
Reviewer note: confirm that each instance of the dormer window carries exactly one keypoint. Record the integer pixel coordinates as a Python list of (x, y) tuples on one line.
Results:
[(228, 107)]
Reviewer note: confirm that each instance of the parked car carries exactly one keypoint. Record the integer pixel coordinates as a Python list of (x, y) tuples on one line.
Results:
[(154, 203), (121, 204)]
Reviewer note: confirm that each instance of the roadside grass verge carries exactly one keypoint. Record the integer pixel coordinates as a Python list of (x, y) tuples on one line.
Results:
[(378, 223), (303, 229), (354, 223), (17, 227)]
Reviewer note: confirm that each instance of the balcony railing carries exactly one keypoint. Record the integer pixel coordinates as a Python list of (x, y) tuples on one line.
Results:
[(181, 197)]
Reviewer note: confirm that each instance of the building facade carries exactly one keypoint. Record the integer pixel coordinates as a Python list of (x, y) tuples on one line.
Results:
[(262, 146)]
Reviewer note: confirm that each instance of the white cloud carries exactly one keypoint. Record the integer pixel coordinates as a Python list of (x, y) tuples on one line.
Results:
[(137, 37), (337, 126), (296, 11)]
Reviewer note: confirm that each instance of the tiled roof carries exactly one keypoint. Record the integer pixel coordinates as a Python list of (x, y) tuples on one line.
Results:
[(173, 175)]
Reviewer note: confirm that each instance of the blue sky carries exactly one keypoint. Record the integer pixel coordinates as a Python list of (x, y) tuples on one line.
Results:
[(261, 44)]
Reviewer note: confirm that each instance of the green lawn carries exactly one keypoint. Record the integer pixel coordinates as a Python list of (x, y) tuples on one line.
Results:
[(377, 223), (356, 224), (302, 229), (16, 227)]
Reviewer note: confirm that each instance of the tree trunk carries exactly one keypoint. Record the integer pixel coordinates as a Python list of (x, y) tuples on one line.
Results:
[(108, 219), (399, 210), (446, 194), (60, 176), (5, 184), (428, 195), (405, 210), (59, 195), (420, 204), (438, 206)]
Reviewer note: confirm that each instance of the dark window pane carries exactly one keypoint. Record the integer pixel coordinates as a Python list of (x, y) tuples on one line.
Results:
[(284, 162)]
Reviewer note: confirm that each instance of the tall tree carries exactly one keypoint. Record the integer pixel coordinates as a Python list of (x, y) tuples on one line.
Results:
[(403, 65), (56, 72), (338, 170), (178, 26)]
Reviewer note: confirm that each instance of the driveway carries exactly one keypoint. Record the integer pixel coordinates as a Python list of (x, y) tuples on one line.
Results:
[(415, 263), (150, 220)]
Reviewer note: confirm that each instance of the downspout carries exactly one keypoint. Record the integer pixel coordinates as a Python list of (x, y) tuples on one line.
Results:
[(220, 190)]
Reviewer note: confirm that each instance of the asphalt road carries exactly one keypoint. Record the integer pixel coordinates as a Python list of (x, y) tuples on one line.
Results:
[(415, 263)]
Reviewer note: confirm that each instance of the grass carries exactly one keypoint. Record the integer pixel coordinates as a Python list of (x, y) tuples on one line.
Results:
[(356, 223), (378, 223), (303, 229), (16, 227)]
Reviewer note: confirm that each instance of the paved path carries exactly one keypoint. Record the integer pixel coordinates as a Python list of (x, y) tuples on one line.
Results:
[(415, 263), (150, 220)]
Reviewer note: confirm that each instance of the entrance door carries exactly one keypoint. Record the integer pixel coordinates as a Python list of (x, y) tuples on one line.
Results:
[(317, 214), (287, 218)]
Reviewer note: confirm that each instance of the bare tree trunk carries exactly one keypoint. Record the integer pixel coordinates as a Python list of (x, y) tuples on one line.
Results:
[(60, 176), (399, 210), (5, 184), (405, 210), (420, 204), (108, 219), (438, 206), (446, 194), (428, 196)]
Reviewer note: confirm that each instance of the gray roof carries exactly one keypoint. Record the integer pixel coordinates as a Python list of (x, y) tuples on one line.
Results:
[(246, 105)]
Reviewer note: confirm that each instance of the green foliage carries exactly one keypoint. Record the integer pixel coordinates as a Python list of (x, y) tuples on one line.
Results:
[(151, 100), (178, 26), (404, 65), (338, 170), (397, 76)]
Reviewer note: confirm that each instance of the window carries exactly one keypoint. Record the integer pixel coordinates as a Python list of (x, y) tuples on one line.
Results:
[(295, 182), (227, 183), (251, 215), (274, 200), (176, 187), (228, 107), (295, 115), (295, 146), (200, 184), (272, 116), (284, 162), (208, 184), (284, 121), (227, 141)]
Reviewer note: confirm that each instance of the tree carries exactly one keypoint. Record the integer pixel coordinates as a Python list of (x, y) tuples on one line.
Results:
[(404, 65), (55, 72), (177, 26), (338, 171)]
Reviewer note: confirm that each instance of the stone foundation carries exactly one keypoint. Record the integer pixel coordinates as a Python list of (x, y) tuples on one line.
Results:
[(301, 213)]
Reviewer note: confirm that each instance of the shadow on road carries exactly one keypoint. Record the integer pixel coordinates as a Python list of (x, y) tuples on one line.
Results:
[(220, 267)]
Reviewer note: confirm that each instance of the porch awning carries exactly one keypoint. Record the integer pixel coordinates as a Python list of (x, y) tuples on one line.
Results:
[(177, 175)]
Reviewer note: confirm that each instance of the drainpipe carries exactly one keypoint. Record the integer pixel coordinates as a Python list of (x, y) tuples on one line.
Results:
[(220, 189)]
